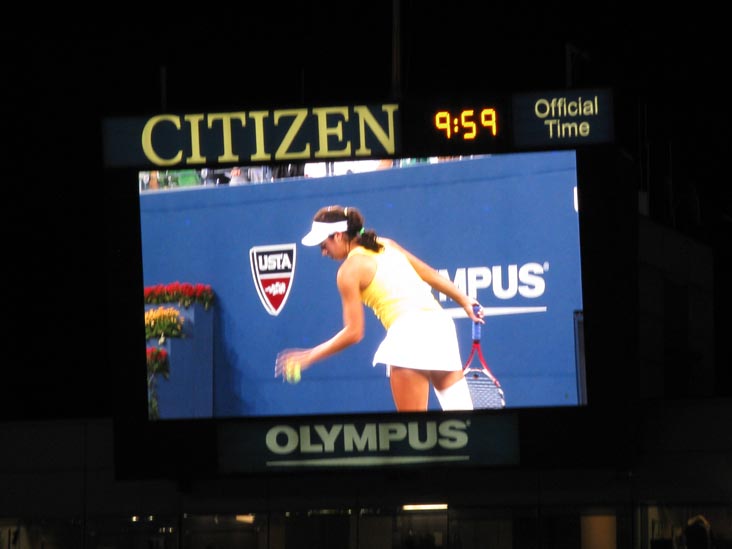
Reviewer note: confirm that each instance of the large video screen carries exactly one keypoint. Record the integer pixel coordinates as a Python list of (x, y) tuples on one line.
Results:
[(229, 285)]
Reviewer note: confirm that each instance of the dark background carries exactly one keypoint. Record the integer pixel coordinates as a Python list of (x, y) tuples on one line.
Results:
[(69, 235)]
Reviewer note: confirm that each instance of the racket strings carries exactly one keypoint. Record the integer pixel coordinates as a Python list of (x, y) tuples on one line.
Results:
[(485, 390)]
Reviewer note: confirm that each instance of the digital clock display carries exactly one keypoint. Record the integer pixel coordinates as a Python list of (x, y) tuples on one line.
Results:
[(467, 124), (477, 123)]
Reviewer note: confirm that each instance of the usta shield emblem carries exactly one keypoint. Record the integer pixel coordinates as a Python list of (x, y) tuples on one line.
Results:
[(273, 268)]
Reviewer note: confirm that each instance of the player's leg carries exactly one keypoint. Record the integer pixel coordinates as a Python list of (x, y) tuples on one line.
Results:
[(410, 389), (451, 389)]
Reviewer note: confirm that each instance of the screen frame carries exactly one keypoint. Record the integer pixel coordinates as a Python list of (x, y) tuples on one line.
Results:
[(604, 199)]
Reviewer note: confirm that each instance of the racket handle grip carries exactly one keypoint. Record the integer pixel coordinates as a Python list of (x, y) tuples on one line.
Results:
[(476, 325)]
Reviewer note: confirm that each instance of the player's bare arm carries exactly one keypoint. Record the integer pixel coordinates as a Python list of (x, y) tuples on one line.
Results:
[(440, 283)]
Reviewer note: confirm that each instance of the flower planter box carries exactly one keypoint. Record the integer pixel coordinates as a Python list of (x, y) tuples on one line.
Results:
[(188, 392)]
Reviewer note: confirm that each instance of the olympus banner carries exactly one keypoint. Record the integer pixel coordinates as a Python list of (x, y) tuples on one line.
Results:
[(454, 440), (317, 134)]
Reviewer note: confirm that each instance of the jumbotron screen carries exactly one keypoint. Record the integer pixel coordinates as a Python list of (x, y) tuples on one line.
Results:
[(229, 285)]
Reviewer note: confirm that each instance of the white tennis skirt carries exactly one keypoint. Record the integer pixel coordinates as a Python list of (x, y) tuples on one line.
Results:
[(422, 340)]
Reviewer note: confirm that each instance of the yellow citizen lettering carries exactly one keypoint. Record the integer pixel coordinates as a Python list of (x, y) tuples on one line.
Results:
[(147, 146), (226, 118), (194, 121), (299, 116), (366, 118), (324, 131), (260, 151), (293, 134)]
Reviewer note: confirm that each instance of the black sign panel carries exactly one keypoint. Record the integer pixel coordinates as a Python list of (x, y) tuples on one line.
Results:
[(568, 118), (300, 134), (457, 440), (411, 129)]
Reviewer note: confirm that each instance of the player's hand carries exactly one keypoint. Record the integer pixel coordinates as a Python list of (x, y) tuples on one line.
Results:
[(290, 363), (474, 311)]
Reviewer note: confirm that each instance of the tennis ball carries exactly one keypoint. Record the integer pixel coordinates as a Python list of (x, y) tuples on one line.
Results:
[(292, 371)]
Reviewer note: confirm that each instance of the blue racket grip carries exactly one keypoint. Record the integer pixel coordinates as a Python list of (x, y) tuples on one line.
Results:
[(476, 325)]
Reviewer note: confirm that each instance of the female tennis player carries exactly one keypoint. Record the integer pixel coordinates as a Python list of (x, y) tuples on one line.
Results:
[(421, 347)]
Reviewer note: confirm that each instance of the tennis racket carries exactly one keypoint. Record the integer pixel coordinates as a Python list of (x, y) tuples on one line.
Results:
[(485, 390)]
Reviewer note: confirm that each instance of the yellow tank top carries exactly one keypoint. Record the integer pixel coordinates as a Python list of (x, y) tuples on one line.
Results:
[(396, 287)]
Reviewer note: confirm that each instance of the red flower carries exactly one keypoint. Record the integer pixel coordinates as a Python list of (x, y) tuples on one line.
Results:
[(183, 293), (157, 362)]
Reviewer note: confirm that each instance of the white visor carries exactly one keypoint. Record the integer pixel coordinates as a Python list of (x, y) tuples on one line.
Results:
[(320, 231)]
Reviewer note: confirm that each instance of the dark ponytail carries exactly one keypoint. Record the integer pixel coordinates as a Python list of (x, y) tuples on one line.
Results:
[(368, 240), (356, 230)]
